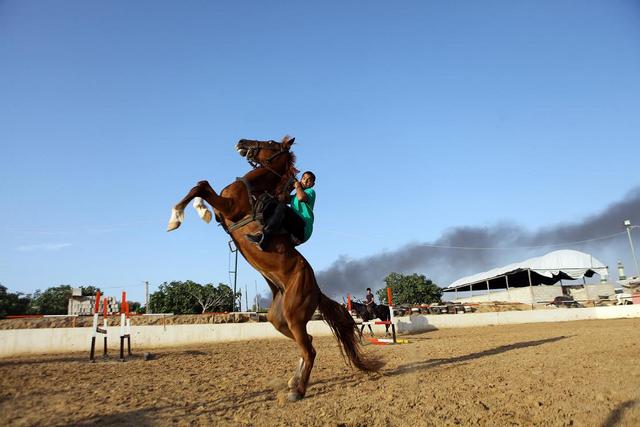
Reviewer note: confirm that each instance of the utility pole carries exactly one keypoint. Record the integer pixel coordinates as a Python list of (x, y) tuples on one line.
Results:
[(627, 224), (233, 248), (146, 297), (246, 298)]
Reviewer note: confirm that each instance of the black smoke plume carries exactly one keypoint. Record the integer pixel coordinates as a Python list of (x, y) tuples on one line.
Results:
[(450, 257)]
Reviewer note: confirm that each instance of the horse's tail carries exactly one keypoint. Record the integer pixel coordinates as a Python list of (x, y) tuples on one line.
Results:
[(346, 331)]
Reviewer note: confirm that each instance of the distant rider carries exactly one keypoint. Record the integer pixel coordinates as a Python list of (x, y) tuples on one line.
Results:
[(369, 302)]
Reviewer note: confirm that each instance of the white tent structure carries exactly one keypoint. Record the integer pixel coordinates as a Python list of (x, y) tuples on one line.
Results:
[(544, 270)]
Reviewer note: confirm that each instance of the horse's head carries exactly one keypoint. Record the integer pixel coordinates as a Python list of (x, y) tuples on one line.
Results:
[(265, 153)]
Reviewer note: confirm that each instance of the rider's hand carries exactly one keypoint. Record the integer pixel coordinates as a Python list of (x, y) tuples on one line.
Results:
[(296, 184)]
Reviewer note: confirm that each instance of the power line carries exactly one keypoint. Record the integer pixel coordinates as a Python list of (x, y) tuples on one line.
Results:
[(610, 236)]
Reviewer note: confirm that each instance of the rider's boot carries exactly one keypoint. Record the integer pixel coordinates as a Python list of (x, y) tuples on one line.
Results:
[(259, 239)]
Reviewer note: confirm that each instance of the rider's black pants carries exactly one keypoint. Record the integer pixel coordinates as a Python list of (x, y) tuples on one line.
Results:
[(277, 216)]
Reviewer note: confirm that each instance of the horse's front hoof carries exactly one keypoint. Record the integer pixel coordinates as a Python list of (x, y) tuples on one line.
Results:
[(177, 216), (294, 396), (173, 225), (203, 211)]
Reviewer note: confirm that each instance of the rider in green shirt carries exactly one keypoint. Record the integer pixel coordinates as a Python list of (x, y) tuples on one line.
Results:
[(296, 219), (303, 200)]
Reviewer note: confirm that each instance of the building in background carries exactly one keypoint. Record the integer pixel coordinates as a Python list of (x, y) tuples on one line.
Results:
[(82, 305), (536, 280)]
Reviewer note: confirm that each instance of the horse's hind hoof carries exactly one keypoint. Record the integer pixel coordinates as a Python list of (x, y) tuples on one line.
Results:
[(294, 396), (293, 382)]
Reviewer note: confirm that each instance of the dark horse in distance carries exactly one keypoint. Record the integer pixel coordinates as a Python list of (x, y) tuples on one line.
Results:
[(380, 311), (296, 294)]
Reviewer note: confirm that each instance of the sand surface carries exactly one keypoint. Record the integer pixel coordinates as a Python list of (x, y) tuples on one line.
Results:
[(571, 373)]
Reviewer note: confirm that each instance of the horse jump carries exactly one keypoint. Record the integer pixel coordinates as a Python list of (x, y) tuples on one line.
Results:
[(387, 323), (125, 326)]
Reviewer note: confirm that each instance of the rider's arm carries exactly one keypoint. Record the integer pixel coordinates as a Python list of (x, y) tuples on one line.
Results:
[(300, 194)]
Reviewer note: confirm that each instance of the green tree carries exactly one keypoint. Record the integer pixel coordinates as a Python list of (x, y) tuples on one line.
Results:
[(225, 298), (53, 300), (190, 297), (13, 303), (410, 289), (134, 306)]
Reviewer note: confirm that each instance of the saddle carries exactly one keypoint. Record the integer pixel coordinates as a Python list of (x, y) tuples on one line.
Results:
[(263, 207)]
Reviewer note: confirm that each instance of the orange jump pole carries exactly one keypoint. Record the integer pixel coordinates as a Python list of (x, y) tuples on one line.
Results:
[(123, 320), (125, 326), (349, 303), (128, 330), (391, 318)]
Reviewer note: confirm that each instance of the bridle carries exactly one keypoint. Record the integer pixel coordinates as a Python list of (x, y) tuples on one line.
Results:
[(254, 147)]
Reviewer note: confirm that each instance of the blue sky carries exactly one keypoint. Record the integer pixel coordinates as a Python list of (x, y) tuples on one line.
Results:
[(417, 118)]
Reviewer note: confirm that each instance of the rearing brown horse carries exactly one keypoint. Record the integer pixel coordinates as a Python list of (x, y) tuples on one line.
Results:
[(296, 294)]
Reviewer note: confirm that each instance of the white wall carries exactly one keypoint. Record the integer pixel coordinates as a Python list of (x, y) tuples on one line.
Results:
[(421, 323), (539, 293), (523, 295), (15, 342)]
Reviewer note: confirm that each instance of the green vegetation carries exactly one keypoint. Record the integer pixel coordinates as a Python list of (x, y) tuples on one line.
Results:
[(410, 289), (13, 303), (190, 298)]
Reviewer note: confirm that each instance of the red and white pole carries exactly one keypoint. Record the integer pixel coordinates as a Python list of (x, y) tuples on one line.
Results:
[(123, 320), (391, 317), (105, 315)]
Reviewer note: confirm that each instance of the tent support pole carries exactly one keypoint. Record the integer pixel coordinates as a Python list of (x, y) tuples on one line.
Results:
[(508, 292), (488, 291), (530, 287)]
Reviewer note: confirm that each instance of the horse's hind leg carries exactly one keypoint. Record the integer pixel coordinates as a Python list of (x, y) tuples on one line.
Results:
[(300, 301), (308, 353), (277, 319)]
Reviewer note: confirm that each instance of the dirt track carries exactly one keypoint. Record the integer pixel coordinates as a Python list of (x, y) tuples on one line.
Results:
[(573, 373)]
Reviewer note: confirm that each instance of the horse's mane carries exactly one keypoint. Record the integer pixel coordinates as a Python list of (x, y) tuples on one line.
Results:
[(289, 171)]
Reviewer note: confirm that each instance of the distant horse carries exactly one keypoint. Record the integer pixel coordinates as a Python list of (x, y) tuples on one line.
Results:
[(296, 294), (380, 311)]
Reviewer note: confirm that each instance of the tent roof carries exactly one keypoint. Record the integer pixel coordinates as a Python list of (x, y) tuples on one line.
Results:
[(574, 264)]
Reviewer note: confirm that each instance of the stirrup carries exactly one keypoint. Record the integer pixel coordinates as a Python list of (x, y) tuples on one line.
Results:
[(254, 238)]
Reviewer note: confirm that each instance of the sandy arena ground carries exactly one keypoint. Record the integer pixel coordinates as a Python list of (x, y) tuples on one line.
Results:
[(572, 373)]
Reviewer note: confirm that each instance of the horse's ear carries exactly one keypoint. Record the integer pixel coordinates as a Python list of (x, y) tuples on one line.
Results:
[(287, 141)]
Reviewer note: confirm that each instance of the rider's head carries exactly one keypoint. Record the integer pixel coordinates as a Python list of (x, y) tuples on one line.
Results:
[(369, 290), (308, 179)]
